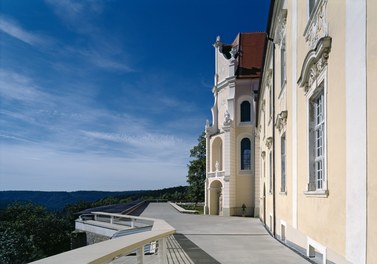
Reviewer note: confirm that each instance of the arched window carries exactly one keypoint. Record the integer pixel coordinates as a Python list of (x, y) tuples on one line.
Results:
[(245, 111), (245, 154)]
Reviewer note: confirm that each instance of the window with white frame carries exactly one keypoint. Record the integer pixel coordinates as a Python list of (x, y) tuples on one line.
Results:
[(283, 163), (245, 154), (283, 63), (270, 180), (311, 6), (270, 101), (317, 141), (264, 123)]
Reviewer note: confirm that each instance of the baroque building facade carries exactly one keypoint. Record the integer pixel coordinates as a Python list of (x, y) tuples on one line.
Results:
[(311, 132), (317, 129), (230, 167)]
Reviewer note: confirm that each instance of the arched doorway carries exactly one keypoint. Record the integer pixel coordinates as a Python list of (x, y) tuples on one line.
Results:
[(215, 198)]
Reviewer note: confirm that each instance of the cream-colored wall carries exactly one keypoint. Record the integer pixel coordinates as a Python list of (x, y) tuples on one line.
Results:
[(222, 66), (282, 93), (267, 126), (222, 100), (244, 192), (319, 217), (371, 131), (245, 188)]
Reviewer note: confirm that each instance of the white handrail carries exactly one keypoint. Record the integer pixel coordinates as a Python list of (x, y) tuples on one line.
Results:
[(108, 250)]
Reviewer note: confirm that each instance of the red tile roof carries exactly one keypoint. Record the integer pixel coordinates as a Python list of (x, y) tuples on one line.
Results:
[(250, 54), (251, 50)]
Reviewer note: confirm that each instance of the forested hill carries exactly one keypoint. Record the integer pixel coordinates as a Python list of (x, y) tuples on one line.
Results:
[(52, 200), (58, 200)]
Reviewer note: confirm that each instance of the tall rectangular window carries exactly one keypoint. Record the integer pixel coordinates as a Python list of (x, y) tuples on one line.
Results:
[(317, 141), (270, 181), (283, 158), (245, 154), (270, 102), (264, 124), (318, 138), (264, 169), (311, 6), (283, 63)]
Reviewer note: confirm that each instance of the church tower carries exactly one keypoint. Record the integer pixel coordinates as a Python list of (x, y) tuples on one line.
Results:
[(232, 186)]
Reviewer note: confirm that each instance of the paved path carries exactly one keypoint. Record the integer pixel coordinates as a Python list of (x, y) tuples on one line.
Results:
[(223, 239)]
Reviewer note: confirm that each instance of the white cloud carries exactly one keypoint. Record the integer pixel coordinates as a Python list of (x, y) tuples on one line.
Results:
[(77, 14), (15, 86), (101, 58), (11, 28), (144, 140), (101, 48), (46, 169), (71, 138)]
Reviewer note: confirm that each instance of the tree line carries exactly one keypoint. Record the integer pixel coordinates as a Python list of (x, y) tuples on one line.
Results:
[(30, 231)]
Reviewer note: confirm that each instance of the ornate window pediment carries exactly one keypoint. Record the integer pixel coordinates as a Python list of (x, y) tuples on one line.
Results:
[(314, 63), (317, 26), (281, 26)]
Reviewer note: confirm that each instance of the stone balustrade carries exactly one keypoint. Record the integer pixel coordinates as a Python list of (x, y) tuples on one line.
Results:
[(110, 250)]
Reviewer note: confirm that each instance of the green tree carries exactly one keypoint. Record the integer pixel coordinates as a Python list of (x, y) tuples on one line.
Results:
[(29, 232), (197, 170)]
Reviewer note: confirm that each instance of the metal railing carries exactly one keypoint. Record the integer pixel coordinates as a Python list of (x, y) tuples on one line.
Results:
[(111, 250)]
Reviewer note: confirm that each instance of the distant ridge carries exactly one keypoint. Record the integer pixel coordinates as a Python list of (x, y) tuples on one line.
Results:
[(55, 200)]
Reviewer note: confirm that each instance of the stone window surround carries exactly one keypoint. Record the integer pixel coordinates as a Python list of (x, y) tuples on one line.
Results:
[(239, 102), (318, 85), (313, 75)]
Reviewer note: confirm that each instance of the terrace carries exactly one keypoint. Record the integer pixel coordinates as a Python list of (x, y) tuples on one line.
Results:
[(179, 238), (133, 239)]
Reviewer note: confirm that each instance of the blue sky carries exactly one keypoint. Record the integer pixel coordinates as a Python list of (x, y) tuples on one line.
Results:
[(108, 94)]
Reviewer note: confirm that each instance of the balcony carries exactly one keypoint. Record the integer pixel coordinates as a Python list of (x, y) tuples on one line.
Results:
[(133, 240), (216, 174)]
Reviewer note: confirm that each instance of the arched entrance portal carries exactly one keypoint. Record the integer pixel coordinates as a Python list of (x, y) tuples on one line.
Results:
[(216, 198)]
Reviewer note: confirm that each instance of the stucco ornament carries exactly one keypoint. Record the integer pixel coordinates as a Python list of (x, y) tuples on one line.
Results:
[(317, 26), (281, 26), (227, 120), (269, 78), (234, 52), (281, 120), (315, 63), (269, 142), (218, 42)]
